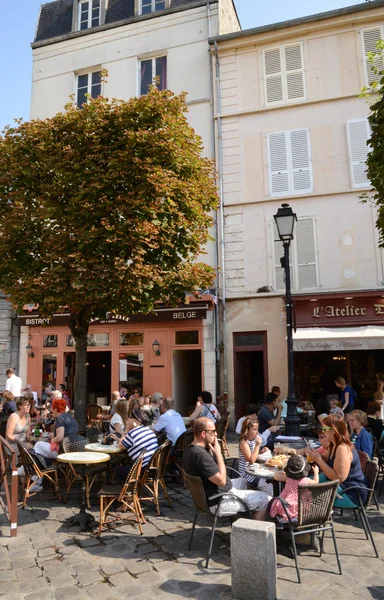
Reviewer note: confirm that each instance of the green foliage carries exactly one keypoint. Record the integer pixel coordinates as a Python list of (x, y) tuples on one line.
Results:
[(105, 208)]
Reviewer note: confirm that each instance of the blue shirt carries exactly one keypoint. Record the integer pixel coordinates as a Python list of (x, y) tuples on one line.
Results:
[(352, 396), (172, 423), (363, 442), (139, 439)]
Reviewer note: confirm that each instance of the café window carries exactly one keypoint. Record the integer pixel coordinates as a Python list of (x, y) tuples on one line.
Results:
[(131, 371), (132, 338), (94, 340), (49, 370), (186, 338), (50, 341)]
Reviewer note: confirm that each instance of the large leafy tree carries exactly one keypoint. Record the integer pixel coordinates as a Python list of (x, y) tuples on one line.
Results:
[(104, 209)]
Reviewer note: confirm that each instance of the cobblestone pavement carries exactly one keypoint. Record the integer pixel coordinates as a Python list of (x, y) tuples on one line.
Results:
[(50, 561)]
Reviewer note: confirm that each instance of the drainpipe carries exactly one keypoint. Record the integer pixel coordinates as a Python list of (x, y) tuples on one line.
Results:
[(209, 21), (220, 218)]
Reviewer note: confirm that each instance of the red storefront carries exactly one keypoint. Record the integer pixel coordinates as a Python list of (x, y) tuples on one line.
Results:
[(163, 351), (339, 335)]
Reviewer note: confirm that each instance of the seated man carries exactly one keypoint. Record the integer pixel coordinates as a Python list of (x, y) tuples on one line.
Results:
[(137, 438), (266, 416), (203, 458), (251, 413), (170, 421)]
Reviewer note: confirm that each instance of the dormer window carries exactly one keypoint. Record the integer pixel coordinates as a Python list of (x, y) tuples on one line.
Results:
[(150, 6), (89, 14)]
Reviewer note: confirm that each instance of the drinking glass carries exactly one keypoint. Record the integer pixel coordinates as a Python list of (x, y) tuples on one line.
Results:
[(100, 438)]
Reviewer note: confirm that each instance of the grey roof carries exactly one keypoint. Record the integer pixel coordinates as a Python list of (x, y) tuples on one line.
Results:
[(339, 12), (55, 20)]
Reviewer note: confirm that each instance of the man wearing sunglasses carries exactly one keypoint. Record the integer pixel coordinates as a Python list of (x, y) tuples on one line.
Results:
[(203, 458)]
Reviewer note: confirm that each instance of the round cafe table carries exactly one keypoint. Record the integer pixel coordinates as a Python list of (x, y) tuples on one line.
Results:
[(83, 519), (267, 473), (106, 448)]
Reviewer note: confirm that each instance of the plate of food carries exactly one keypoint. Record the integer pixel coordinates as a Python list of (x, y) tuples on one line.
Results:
[(261, 470), (278, 462)]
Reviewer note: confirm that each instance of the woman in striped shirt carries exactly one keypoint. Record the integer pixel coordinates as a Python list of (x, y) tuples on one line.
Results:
[(137, 439), (249, 450)]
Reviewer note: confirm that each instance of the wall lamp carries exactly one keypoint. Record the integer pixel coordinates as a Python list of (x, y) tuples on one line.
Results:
[(156, 347), (28, 348)]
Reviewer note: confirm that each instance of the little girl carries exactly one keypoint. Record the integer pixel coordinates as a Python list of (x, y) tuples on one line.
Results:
[(296, 473), (249, 450)]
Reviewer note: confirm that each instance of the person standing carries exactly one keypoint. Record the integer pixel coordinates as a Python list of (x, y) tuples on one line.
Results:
[(170, 421), (347, 395), (13, 383)]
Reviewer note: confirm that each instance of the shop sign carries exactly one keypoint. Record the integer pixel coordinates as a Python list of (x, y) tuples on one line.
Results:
[(340, 345), (339, 311)]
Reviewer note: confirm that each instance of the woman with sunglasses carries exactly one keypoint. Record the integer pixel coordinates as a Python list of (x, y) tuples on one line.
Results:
[(340, 461)]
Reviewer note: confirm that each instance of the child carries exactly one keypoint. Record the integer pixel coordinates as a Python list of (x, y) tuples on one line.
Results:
[(249, 450), (335, 408), (296, 473)]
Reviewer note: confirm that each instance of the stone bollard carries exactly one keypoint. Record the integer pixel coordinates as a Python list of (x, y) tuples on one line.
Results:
[(253, 560)]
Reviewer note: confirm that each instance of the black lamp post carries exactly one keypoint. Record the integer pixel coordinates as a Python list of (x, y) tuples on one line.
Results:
[(285, 222)]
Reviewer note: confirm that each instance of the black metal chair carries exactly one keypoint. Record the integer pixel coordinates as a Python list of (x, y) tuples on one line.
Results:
[(154, 475), (127, 493), (33, 468), (371, 475), (314, 516), (177, 456)]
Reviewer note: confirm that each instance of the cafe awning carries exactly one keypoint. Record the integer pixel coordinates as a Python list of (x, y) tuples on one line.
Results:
[(320, 339)]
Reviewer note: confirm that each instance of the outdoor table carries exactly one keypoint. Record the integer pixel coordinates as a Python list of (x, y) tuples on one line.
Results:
[(107, 449), (267, 473), (83, 519)]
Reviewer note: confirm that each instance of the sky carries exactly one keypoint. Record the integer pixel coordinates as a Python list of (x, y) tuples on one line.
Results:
[(17, 33)]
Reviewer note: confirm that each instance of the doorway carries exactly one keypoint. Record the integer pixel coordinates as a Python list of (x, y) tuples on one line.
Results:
[(98, 376), (251, 379), (186, 379)]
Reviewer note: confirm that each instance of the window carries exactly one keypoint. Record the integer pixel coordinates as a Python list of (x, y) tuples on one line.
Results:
[(49, 370), (184, 338), (284, 74), (131, 371), (151, 69), (50, 341), (248, 339), (370, 38), (358, 133), (150, 6), (303, 257), (89, 14), (290, 167), (132, 339), (88, 84), (94, 339)]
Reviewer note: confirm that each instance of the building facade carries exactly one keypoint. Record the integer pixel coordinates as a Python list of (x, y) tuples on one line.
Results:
[(291, 128), (135, 41)]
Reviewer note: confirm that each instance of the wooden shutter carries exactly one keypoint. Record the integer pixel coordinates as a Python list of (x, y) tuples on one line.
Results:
[(358, 133), (370, 39), (278, 164), (294, 72), (306, 254), (273, 76), (301, 161)]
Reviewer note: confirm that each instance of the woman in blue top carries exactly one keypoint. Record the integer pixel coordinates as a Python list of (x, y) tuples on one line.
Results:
[(347, 395), (360, 437), (340, 461)]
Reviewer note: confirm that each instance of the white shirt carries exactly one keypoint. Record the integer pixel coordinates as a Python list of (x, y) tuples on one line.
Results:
[(14, 385), (173, 424), (116, 419), (264, 436)]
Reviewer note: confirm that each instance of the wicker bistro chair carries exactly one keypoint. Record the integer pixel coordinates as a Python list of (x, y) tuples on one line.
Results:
[(77, 443), (154, 475), (314, 516), (371, 475), (221, 428), (31, 468), (180, 445), (127, 493), (200, 500)]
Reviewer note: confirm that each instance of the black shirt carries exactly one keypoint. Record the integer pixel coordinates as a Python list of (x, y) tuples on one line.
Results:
[(265, 416), (199, 462), (377, 427)]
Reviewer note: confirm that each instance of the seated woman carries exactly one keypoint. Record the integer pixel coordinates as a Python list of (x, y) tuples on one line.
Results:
[(34, 413), (18, 424), (119, 419), (340, 461), (65, 425), (360, 437), (136, 412), (249, 450)]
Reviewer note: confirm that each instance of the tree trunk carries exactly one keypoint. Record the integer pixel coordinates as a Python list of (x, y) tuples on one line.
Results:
[(79, 325)]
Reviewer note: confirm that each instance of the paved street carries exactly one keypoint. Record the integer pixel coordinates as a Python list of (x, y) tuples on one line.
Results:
[(49, 561)]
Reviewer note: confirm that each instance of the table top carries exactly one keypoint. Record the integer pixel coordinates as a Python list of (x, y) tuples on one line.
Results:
[(83, 458), (107, 449), (258, 470)]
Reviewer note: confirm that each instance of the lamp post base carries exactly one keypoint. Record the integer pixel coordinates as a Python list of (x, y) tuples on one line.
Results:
[(292, 420)]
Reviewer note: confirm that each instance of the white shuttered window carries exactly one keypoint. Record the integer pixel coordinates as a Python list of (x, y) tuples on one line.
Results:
[(289, 162), (370, 38), (358, 133), (303, 257), (284, 74)]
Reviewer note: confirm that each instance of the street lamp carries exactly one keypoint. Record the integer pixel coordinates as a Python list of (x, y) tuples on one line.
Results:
[(285, 222)]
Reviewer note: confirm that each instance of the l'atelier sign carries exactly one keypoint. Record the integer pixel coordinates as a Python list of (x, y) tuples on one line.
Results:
[(339, 311), (161, 315)]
